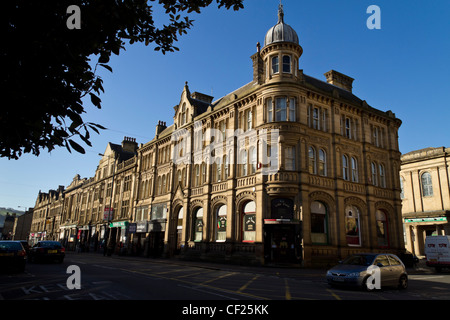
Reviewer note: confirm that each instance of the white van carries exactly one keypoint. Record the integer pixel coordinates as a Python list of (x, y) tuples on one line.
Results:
[(437, 251)]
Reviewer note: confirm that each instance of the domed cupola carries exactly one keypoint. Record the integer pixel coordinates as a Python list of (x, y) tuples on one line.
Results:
[(281, 32)]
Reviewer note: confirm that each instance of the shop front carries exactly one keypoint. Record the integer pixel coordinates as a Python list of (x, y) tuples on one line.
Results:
[(418, 228), (117, 238), (157, 229)]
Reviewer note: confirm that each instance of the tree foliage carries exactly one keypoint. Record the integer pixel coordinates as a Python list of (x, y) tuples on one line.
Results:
[(47, 68)]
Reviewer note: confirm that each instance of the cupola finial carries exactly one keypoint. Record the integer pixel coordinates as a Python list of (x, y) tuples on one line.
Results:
[(280, 13)]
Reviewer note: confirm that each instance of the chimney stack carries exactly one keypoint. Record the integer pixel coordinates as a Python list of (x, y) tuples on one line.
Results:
[(160, 127), (129, 144), (339, 80)]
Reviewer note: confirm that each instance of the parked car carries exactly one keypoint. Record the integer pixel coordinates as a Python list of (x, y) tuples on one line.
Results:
[(12, 255), (437, 251), (47, 250), (364, 270)]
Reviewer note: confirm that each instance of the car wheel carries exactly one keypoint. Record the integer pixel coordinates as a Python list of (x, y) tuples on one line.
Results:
[(403, 282)]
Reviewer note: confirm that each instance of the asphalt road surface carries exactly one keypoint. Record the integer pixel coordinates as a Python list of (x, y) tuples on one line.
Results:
[(127, 278)]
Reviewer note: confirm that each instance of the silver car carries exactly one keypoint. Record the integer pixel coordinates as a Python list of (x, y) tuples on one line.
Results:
[(369, 271)]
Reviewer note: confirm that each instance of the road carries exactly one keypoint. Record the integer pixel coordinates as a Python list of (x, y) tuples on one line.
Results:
[(127, 278)]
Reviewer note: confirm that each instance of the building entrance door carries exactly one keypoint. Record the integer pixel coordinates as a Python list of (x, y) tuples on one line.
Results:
[(280, 243)]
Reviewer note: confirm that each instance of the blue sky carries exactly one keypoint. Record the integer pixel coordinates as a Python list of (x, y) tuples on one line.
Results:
[(403, 67)]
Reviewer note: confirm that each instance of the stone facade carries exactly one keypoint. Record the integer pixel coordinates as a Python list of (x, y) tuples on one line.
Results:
[(286, 169), (425, 195)]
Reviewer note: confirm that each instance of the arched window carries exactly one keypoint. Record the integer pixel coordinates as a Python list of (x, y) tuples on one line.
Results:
[(275, 65), (164, 186), (352, 226), (354, 170), (287, 64), (183, 114), (221, 222), (427, 186), (203, 172), (382, 176), (198, 225), (382, 229), (319, 223), (322, 163), (159, 184), (226, 162), (345, 175), (312, 160), (252, 160), (180, 227), (269, 110), (374, 174), (179, 178), (197, 175), (249, 222), (243, 162)]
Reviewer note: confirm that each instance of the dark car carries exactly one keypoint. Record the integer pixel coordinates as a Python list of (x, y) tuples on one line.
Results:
[(12, 255), (48, 251), (369, 271)]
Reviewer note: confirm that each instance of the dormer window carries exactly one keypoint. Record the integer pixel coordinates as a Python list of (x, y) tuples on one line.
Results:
[(182, 116)]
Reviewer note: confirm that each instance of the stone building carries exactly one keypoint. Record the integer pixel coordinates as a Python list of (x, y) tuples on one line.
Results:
[(47, 215), (425, 195), (22, 225), (285, 169)]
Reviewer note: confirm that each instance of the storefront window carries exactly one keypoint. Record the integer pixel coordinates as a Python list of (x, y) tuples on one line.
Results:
[(249, 222), (221, 230), (382, 231), (319, 228), (198, 225), (352, 226)]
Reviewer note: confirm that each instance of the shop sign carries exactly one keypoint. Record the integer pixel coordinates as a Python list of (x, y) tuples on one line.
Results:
[(437, 219), (118, 224), (141, 226), (250, 222), (132, 228), (222, 224), (282, 209)]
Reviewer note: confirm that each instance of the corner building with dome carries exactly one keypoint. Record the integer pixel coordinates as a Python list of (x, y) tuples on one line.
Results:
[(335, 189), (297, 170)]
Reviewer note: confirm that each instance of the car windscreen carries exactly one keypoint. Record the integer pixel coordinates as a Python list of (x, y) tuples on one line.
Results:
[(359, 260), (5, 246)]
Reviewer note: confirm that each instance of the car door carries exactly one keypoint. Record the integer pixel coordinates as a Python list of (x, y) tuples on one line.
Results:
[(396, 269), (382, 262)]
